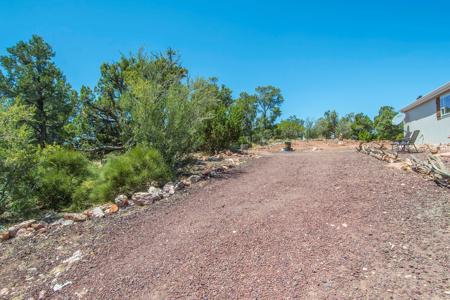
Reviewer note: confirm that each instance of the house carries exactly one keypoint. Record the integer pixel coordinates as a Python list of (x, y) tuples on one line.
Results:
[(431, 115)]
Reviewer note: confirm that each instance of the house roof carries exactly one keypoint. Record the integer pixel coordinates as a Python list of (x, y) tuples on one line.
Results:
[(430, 96)]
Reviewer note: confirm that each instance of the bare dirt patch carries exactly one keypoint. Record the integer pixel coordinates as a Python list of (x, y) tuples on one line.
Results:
[(307, 224)]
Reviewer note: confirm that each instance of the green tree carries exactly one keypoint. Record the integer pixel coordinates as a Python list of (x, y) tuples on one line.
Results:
[(344, 126), (29, 75), (215, 131), (362, 127), (385, 130), (103, 122), (166, 121), (310, 129), (269, 100), (246, 105), (327, 125), (291, 128)]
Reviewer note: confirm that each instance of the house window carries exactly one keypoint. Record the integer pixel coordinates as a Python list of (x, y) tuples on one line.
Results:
[(445, 104)]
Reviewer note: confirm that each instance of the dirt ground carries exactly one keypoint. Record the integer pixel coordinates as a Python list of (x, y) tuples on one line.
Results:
[(323, 224)]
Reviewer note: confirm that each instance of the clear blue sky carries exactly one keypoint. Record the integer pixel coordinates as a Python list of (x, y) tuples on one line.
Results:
[(343, 55)]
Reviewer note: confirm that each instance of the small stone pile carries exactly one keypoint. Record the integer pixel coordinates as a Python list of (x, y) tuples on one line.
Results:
[(24, 229)]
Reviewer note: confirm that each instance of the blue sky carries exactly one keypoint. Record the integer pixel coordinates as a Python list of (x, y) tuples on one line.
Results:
[(352, 56)]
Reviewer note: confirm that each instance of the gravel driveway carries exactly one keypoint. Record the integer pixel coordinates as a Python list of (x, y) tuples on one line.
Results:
[(313, 225)]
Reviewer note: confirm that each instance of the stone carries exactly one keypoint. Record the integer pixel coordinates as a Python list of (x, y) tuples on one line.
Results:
[(4, 292), (12, 231), (186, 182), (58, 287), (218, 157), (23, 233), (97, 212), (77, 217), (25, 224), (169, 188), (194, 178), (121, 200), (41, 230), (39, 225), (76, 256), (155, 192), (62, 222), (112, 209), (179, 185), (4, 235), (142, 198)]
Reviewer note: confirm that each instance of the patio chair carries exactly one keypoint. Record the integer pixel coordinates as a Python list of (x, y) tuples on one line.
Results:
[(411, 143), (396, 144)]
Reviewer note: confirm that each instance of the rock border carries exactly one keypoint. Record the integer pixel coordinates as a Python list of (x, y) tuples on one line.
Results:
[(33, 227)]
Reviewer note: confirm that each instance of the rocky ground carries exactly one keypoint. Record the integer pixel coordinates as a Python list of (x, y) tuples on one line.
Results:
[(316, 223)]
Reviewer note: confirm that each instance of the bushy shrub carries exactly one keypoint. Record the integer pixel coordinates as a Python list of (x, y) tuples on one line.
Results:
[(129, 172), (59, 174), (81, 198)]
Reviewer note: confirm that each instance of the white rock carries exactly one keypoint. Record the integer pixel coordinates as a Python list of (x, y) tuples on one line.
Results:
[(76, 256), (4, 292), (156, 193), (58, 286), (169, 188), (97, 212), (67, 222)]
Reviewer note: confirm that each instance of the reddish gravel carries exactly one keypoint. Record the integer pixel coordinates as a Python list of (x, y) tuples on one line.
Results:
[(312, 225)]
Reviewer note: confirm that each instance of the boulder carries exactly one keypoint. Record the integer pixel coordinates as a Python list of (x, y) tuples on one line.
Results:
[(77, 217), (121, 201)]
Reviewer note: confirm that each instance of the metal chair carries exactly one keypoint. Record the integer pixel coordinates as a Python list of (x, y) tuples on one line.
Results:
[(407, 146)]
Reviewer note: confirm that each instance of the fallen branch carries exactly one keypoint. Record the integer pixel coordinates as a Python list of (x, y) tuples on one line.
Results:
[(433, 168)]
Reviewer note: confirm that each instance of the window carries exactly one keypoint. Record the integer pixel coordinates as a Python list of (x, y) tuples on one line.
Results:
[(445, 104)]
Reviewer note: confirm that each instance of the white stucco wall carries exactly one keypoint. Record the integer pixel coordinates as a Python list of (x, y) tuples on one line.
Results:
[(432, 130)]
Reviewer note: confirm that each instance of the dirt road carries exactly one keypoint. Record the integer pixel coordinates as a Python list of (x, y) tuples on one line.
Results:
[(338, 225)]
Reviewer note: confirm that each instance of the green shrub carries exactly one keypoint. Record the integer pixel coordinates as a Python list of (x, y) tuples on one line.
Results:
[(82, 195), (59, 174), (129, 172)]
